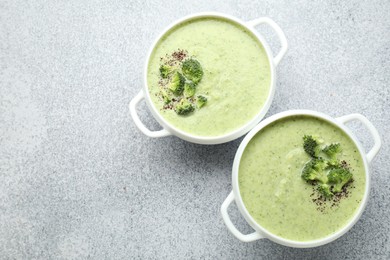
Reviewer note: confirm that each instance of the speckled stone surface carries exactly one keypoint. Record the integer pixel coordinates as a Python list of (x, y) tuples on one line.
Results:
[(78, 180)]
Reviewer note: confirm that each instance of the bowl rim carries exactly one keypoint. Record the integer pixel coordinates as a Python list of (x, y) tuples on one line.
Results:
[(263, 231), (235, 133)]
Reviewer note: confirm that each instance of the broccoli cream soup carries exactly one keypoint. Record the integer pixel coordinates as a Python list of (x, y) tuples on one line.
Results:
[(208, 76), (301, 178)]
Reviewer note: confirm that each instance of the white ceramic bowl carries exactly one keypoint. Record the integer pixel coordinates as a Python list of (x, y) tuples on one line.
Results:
[(169, 129), (261, 232)]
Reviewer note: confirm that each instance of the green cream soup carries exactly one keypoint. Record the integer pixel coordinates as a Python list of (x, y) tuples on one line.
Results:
[(278, 198), (236, 79)]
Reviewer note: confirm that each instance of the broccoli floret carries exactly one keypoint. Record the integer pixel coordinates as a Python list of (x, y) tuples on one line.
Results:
[(192, 70), (324, 190), (177, 83), (165, 97), (332, 152), (314, 171), (310, 145), (201, 101), (189, 89), (165, 70), (325, 168), (184, 107), (332, 165), (338, 178)]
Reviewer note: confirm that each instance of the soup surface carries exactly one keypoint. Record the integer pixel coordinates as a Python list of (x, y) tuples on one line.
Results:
[(236, 78), (278, 198)]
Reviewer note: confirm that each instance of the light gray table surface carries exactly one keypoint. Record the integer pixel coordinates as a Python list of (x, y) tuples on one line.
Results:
[(77, 178)]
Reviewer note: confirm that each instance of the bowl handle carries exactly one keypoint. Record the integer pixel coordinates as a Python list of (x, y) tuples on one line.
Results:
[(377, 140), (279, 33), (244, 238), (133, 112)]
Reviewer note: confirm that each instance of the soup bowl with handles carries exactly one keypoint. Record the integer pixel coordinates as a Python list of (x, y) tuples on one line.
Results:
[(168, 128), (260, 232)]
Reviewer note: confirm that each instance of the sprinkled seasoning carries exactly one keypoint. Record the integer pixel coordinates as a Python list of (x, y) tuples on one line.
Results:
[(179, 55), (323, 204), (174, 58), (344, 164)]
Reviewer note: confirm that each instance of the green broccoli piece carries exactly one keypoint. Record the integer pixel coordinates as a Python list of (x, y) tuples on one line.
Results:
[(201, 101), (189, 89), (184, 107), (165, 97), (165, 70), (192, 70), (177, 83), (338, 178), (324, 190), (310, 145), (314, 171), (332, 151)]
